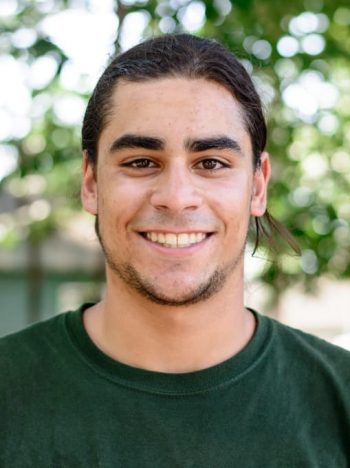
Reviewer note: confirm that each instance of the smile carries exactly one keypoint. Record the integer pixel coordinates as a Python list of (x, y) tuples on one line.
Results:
[(176, 240)]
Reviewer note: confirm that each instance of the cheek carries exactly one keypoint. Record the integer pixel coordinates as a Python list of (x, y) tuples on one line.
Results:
[(231, 204), (233, 196), (119, 201)]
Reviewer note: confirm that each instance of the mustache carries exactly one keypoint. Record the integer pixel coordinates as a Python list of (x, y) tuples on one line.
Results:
[(175, 221)]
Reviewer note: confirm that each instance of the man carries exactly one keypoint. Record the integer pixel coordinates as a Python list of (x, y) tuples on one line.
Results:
[(170, 369)]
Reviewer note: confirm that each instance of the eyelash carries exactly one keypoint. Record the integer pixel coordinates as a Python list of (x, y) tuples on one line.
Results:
[(146, 163), (215, 161), (140, 163)]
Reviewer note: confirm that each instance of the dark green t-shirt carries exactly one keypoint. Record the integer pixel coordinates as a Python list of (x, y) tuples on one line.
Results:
[(283, 401)]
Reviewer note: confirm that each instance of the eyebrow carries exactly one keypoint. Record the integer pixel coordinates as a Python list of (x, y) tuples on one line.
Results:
[(218, 143), (137, 141), (221, 142)]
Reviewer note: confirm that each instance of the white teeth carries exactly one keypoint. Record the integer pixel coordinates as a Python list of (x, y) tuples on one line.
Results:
[(173, 240), (183, 239), (170, 239)]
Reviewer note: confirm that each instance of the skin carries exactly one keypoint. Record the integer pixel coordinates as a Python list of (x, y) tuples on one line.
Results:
[(161, 311)]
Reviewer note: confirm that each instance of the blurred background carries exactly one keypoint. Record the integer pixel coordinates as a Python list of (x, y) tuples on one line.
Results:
[(51, 55)]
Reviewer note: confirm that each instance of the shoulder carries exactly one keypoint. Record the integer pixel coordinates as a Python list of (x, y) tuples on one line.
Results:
[(301, 349), (25, 352), (306, 341), (43, 333), (31, 337)]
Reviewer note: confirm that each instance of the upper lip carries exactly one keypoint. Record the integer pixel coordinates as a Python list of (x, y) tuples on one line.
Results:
[(175, 231)]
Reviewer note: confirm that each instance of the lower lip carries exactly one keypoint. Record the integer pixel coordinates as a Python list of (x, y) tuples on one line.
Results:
[(177, 251)]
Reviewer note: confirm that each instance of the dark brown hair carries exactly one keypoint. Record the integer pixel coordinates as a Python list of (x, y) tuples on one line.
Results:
[(182, 55)]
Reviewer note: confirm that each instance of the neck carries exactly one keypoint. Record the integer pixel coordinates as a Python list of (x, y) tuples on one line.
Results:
[(142, 334)]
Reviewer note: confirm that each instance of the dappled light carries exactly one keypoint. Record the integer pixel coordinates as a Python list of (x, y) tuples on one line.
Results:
[(297, 53)]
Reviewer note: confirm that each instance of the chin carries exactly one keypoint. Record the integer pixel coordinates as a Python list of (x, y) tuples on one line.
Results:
[(174, 292)]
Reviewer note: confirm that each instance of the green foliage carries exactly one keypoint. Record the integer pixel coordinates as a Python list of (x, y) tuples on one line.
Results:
[(299, 51)]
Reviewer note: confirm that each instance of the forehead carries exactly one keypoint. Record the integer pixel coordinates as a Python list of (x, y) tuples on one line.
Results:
[(175, 108)]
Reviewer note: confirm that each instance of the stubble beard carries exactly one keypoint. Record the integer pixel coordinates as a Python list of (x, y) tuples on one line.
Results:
[(133, 279)]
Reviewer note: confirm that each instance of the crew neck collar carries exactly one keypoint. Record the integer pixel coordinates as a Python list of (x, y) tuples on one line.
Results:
[(224, 373)]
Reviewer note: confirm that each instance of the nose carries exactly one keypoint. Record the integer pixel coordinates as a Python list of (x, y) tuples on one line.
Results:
[(175, 190)]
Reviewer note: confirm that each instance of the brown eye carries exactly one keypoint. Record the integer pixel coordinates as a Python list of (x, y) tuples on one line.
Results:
[(211, 164), (141, 163)]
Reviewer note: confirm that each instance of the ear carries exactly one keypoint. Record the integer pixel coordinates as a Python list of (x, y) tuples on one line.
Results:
[(88, 191), (260, 183)]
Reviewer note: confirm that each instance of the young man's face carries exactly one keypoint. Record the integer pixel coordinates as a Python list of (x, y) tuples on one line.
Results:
[(174, 189)]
